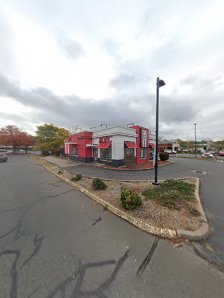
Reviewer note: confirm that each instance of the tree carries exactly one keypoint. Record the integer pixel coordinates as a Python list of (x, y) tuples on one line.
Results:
[(220, 144), (50, 137), (11, 135)]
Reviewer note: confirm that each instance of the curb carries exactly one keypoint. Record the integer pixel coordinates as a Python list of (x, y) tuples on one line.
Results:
[(199, 158), (131, 170), (124, 169), (201, 233)]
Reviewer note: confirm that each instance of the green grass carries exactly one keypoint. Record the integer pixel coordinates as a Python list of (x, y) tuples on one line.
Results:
[(171, 193)]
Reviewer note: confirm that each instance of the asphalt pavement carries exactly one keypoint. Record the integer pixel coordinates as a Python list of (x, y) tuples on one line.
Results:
[(211, 175), (56, 242)]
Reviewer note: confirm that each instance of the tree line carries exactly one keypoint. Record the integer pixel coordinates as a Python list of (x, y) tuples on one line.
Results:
[(49, 138)]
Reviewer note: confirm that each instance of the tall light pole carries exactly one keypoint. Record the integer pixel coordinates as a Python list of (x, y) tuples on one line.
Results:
[(195, 145), (159, 83)]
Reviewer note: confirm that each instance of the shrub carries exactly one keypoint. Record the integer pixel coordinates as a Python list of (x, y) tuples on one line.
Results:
[(130, 160), (164, 156), (45, 152), (56, 152), (60, 172), (76, 178), (130, 200), (99, 184)]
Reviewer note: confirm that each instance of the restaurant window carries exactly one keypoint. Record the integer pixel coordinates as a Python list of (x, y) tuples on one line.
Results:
[(106, 153), (143, 153), (74, 151), (129, 151)]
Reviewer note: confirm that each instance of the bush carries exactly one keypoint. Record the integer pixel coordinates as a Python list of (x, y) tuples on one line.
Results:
[(164, 156), (130, 160), (56, 152), (60, 172), (78, 177), (45, 152), (99, 184), (130, 200)]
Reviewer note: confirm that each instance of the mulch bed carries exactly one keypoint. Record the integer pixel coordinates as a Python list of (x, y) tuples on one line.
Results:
[(150, 211)]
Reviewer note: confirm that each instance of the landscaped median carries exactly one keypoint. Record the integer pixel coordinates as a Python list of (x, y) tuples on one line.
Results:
[(171, 210)]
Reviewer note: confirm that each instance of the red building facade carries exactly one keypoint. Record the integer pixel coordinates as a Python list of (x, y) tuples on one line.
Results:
[(110, 145), (142, 144), (78, 146)]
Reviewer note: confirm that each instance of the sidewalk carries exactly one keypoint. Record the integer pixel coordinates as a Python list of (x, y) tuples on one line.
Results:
[(64, 162), (61, 162)]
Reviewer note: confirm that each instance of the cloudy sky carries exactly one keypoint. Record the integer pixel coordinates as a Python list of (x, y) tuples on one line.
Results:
[(83, 62)]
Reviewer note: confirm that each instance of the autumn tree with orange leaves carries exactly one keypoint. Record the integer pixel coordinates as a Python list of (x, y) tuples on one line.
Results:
[(11, 135)]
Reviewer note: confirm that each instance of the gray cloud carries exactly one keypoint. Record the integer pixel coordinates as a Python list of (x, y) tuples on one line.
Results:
[(203, 83), (176, 111), (176, 115), (126, 81), (72, 109), (71, 48)]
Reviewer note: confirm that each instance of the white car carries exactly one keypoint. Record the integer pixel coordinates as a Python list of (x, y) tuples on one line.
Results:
[(170, 151), (207, 155)]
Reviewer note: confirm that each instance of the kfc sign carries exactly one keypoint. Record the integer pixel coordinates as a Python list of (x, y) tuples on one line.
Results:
[(143, 138)]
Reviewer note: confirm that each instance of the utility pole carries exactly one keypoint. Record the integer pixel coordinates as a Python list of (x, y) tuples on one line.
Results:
[(195, 145), (159, 83)]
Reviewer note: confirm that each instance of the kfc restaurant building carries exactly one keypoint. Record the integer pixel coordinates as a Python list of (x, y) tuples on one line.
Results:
[(110, 145)]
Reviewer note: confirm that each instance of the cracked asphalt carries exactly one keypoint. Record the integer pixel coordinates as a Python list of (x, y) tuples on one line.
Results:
[(56, 242)]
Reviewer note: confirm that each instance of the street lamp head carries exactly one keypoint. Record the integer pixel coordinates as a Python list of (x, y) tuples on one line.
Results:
[(161, 83)]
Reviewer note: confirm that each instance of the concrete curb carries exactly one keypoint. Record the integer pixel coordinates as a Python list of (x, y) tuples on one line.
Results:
[(201, 233), (120, 170), (199, 158), (131, 170)]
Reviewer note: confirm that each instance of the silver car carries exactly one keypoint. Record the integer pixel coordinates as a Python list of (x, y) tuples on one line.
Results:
[(3, 158)]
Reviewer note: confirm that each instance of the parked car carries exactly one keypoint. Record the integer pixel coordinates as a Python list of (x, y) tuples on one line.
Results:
[(20, 151), (207, 155), (3, 158), (221, 153), (169, 151)]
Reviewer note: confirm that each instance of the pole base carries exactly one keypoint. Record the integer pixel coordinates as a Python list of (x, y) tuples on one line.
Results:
[(155, 183)]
